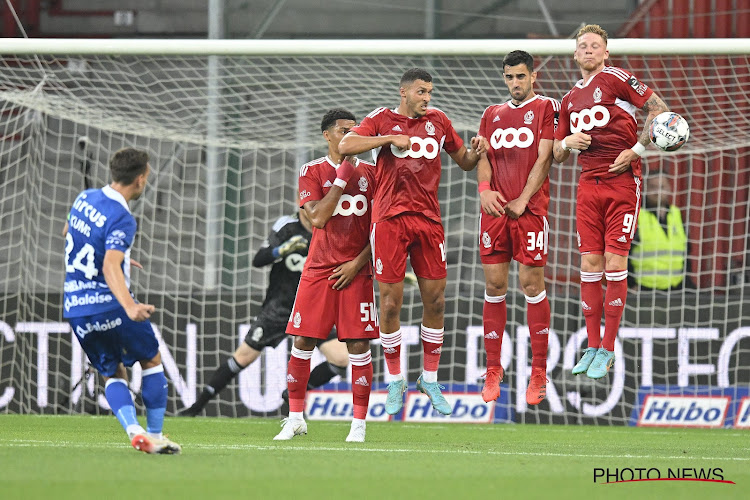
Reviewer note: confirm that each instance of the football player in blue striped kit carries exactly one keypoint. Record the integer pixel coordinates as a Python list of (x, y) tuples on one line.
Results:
[(112, 327)]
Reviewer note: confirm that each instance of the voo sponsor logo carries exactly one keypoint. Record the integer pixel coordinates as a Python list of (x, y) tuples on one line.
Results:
[(684, 411), (586, 119), (512, 138), (351, 205), (420, 148)]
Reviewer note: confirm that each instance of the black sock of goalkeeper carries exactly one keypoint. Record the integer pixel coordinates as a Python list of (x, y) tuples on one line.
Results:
[(323, 373), (219, 380)]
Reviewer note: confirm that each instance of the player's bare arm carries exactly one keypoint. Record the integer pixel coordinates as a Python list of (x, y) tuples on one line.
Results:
[(113, 275), (492, 202), (539, 172), (321, 211), (353, 143), (65, 229), (561, 149), (467, 159), (653, 107), (346, 272)]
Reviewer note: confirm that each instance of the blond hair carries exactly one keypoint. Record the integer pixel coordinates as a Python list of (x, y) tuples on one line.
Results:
[(592, 28)]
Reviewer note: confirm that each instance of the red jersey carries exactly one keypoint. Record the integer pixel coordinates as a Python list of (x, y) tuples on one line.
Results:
[(408, 181), (348, 231), (514, 133), (604, 107)]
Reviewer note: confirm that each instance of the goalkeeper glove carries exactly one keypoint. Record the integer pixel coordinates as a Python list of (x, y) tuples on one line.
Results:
[(293, 244)]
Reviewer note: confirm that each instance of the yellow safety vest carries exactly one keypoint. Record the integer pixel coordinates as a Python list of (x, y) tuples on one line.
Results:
[(659, 258)]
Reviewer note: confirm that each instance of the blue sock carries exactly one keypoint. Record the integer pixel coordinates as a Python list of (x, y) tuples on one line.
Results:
[(118, 396), (154, 393)]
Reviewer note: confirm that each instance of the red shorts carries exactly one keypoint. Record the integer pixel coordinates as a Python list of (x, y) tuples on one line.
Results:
[(524, 240), (607, 215), (421, 238), (318, 307)]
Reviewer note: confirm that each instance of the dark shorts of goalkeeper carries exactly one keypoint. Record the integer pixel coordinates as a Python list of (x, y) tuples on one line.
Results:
[(266, 334)]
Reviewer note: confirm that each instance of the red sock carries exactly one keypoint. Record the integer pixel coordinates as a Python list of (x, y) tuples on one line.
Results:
[(494, 317), (591, 303), (391, 343), (298, 373), (361, 382), (432, 345), (537, 314), (617, 292)]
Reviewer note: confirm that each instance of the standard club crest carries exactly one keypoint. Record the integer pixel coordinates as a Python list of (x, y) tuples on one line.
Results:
[(598, 95)]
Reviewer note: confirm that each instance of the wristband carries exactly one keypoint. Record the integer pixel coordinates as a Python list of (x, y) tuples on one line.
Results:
[(639, 149), (343, 173), (565, 146), (484, 186), (275, 252)]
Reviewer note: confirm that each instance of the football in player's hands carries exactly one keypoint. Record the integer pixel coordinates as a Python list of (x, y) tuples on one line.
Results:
[(293, 244)]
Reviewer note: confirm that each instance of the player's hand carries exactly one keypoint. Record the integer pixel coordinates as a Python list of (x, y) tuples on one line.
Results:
[(352, 160), (479, 144), (293, 244), (140, 312), (492, 203), (344, 274), (402, 142), (135, 263), (622, 162), (579, 141), (515, 208)]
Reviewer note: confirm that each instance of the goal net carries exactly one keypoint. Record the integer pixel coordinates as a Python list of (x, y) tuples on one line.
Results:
[(227, 133)]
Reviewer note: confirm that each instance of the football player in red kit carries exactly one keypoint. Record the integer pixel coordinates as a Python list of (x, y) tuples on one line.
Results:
[(336, 286), (514, 193), (597, 118), (406, 220)]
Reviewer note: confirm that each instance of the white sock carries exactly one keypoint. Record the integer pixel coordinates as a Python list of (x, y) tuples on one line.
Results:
[(391, 378), (134, 430), (156, 435), (358, 422), (296, 415), (429, 376)]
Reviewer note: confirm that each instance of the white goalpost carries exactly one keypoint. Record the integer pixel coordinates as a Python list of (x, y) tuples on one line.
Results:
[(226, 140)]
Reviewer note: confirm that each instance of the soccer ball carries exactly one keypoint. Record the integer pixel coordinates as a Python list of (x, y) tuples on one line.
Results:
[(669, 131)]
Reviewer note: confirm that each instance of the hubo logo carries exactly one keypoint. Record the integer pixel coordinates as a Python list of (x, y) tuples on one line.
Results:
[(684, 411), (512, 138), (586, 119), (465, 408), (351, 205), (420, 148)]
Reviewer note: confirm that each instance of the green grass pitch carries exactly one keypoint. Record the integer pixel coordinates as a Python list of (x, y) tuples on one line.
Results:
[(46, 457)]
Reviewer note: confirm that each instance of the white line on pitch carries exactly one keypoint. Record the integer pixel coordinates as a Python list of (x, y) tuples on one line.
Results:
[(27, 443)]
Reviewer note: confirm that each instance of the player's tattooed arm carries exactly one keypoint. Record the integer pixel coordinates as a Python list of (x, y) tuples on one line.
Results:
[(653, 107)]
